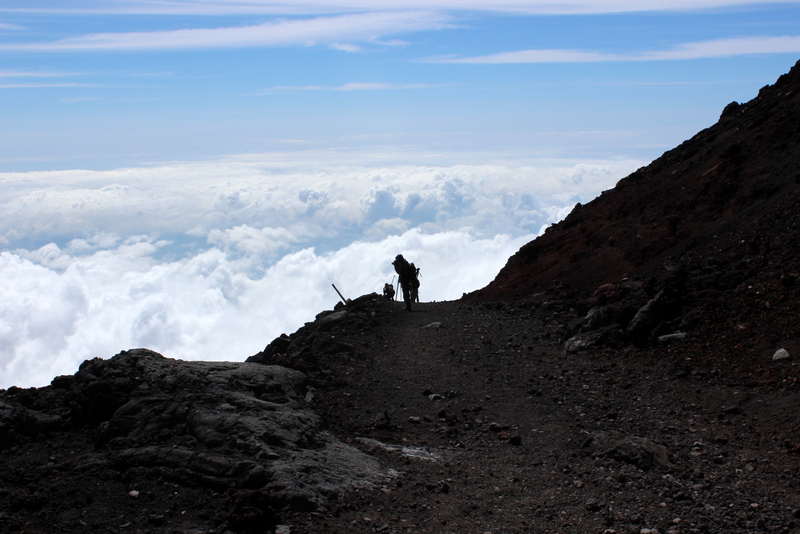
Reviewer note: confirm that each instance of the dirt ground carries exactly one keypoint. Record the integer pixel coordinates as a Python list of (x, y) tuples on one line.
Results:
[(492, 428)]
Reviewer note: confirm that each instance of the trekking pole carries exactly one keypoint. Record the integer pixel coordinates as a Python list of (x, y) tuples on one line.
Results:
[(340, 295)]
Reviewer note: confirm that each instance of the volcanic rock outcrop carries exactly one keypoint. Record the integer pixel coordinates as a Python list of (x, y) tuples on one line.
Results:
[(242, 428)]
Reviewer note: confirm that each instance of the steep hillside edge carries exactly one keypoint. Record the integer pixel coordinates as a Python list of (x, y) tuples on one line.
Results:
[(724, 180)]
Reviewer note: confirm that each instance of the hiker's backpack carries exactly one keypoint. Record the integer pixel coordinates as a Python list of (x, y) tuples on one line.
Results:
[(414, 275)]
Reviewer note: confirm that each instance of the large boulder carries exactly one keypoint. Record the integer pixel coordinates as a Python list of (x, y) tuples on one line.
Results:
[(223, 425)]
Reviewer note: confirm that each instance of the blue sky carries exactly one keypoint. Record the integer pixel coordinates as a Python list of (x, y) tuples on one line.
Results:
[(191, 176), (103, 84)]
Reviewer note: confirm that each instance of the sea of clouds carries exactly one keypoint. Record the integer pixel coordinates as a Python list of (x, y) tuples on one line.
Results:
[(212, 260)]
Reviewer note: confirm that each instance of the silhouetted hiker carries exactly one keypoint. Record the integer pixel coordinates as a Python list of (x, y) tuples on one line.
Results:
[(407, 274)]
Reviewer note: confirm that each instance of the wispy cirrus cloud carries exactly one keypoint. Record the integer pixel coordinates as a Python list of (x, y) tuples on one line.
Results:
[(332, 30), (80, 99), (533, 56), (345, 47), (352, 86), (356, 86), (739, 46), (305, 7), (31, 79), (8, 73), (36, 85)]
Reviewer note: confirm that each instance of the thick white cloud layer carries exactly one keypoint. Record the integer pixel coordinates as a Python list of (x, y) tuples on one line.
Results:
[(213, 260)]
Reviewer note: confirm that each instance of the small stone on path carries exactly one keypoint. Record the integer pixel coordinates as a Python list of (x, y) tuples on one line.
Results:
[(780, 354)]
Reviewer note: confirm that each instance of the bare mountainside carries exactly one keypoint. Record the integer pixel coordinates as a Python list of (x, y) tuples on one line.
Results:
[(740, 176), (634, 370)]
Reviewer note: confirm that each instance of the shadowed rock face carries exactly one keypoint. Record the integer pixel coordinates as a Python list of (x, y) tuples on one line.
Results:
[(221, 425), (722, 182)]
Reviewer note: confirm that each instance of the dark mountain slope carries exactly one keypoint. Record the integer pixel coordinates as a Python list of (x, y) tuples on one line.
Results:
[(727, 179)]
